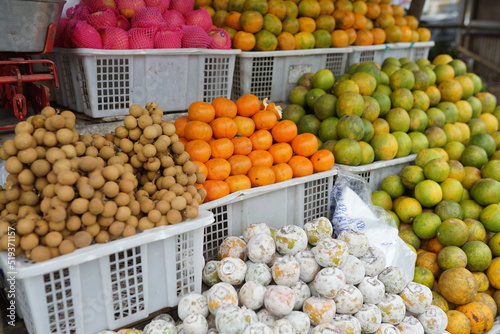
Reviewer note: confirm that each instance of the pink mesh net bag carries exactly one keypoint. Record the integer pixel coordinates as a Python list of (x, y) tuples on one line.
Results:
[(105, 18), (68, 33), (86, 36), (100, 5), (141, 38), (194, 37), (182, 6), (79, 12), (200, 18), (129, 8), (173, 19), (61, 28), (148, 17), (123, 22), (162, 5), (114, 38), (168, 39), (219, 39)]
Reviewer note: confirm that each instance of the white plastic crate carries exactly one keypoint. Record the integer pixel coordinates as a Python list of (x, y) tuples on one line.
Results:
[(361, 54), (375, 172), (378, 53), (110, 286), (292, 202), (274, 74), (107, 82)]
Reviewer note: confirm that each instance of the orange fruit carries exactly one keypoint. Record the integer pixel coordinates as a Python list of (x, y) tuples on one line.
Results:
[(301, 166), (286, 41), (251, 21), (224, 107), (244, 40), (201, 111), (340, 39), (322, 160), (248, 105), (305, 144), (307, 24)]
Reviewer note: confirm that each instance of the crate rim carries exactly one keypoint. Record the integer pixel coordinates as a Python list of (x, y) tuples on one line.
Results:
[(288, 53), (258, 191), (147, 52), (394, 46), (377, 164), (96, 251)]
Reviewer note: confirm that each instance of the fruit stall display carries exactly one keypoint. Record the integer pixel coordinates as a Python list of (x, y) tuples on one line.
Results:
[(377, 113), (301, 280)]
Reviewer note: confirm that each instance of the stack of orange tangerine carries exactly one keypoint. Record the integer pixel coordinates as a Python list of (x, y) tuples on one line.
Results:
[(242, 144), (268, 25)]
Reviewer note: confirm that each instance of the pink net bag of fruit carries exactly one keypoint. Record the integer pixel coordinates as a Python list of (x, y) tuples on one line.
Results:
[(86, 36), (162, 5), (182, 6), (168, 39), (194, 37), (147, 18), (61, 28), (200, 18), (123, 22), (100, 5), (79, 12), (114, 38), (105, 18), (173, 19), (141, 38), (129, 8), (68, 33), (219, 39)]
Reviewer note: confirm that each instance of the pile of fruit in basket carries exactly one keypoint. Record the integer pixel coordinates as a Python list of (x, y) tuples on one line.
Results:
[(65, 191), (263, 25), (242, 144), (301, 280), (373, 113), (449, 211), (139, 24)]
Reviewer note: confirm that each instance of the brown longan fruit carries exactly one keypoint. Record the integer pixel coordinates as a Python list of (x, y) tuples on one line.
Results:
[(66, 193), (135, 134), (56, 214), (135, 207), (169, 171), (192, 190), (130, 122), (177, 147), (135, 162), (41, 227), (110, 209), (177, 189), (73, 223), (128, 231), (163, 206), (126, 145), (53, 238), (167, 182), (29, 198), (29, 241), (48, 111), (55, 201), (59, 226), (182, 158), (97, 181), (111, 189), (25, 226), (188, 197), (106, 152), (40, 253), (162, 144), (150, 132), (40, 167), (146, 205), (23, 140), (13, 165), (69, 151), (122, 199), (93, 229), (102, 237), (181, 179), (61, 165), (82, 239), (111, 173), (9, 147), (189, 167), (174, 217), (98, 141), (168, 128), (64, 136), (121, 132), (27, 156), (154, 216), (116, 229), (202, 192), (104, 222), (149, 150), (144, 121), (135, 110), (38, 121), (123, 213), (123, 156), (126, 185), (12, 194), (156, 118), (3, 154), (91, 151), (88, 219), (79, 206), (163, 221), (178, 203), (86, 191), (50, 139), (191, 212), (168, 196), (58, 122), (68, 114), (88, 163), (49, 191), (145, 224), (66, 247), (142, 158), (24, 126), (39, 135), (166, 161), (40, 183), (133, 221), (55, 154), (67, 178)]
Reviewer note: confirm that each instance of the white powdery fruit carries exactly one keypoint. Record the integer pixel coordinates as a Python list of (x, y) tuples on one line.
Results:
[(250, 316), (290, 240), (317, 229), (194, 303), (259, 273), (261, 248), (230, 320), (347, 323), (308, 265), (252, 295), (329, 281), (279, 300), (349, 300), (254, 229), (195, 324), (232, 247), (232, 270), (410, 325), (329, 252), (326, 328), (165, 316), (301, 292), (283, 326), (319, 309), (369, 318), (417, 297), (353, 269), (393, 308), (387, 329), (434, 320), (160, 327), (258, 327), (372, 290), (221, 294), (356, 241), (373, 260), (265, 317), (393, 278), (209, 274), (286, 271), (300, 321)]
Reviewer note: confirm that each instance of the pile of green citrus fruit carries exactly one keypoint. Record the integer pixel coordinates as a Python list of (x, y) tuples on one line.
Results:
[(449, 212), (381, 112)]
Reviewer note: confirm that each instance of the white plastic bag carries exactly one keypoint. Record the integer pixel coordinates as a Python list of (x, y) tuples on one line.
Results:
[(353, 209)]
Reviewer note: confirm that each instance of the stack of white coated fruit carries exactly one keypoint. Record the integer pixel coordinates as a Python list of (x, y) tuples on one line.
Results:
[(304, 281)]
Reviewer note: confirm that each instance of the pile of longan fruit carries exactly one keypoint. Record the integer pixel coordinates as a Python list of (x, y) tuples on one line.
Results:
[(66, 191)]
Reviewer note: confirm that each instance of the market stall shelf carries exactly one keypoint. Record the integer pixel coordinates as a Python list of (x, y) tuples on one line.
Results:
[(109, 286)]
